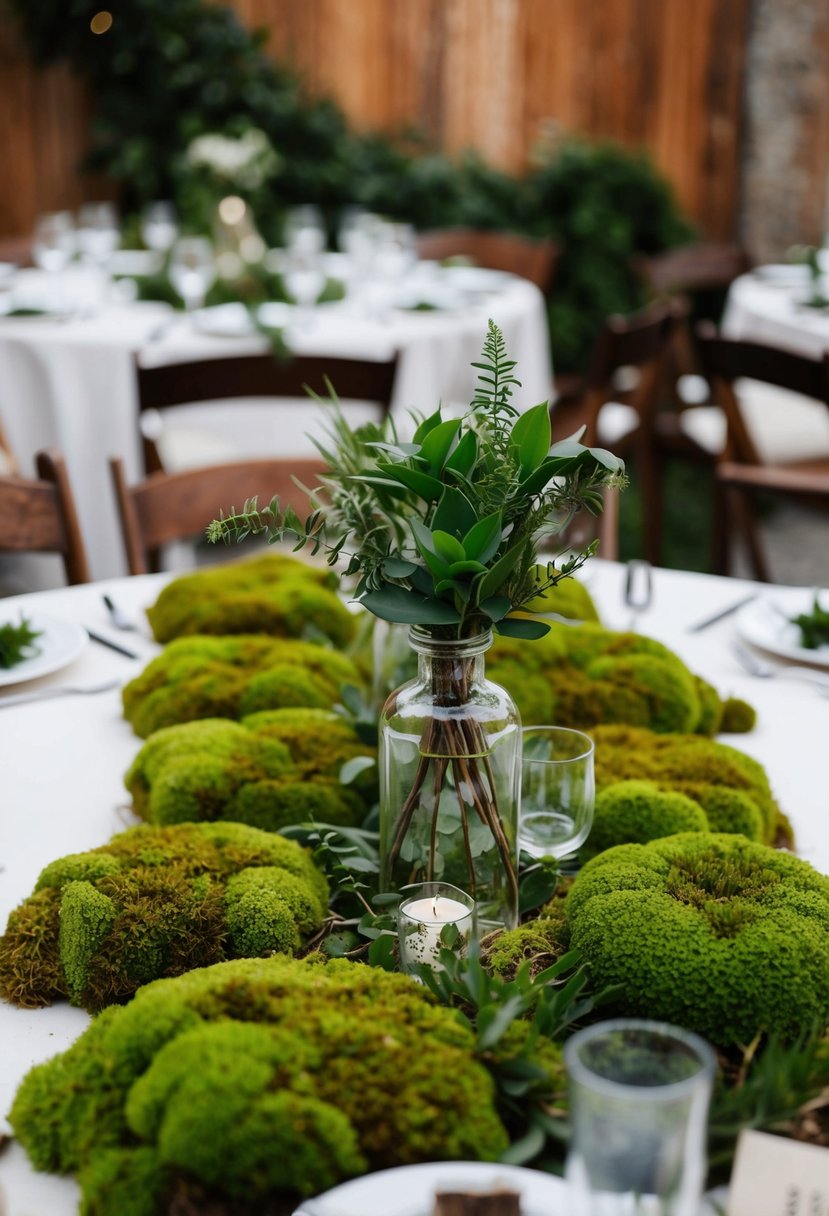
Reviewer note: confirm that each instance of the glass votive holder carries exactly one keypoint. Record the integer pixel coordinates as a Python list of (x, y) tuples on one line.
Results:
[(433, 916), (639, 1096)]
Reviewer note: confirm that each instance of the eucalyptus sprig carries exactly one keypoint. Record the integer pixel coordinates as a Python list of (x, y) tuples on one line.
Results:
[(443, 532), (17, 642)]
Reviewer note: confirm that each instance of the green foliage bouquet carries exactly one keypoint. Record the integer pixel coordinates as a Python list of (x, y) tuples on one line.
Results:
[(444, 532)]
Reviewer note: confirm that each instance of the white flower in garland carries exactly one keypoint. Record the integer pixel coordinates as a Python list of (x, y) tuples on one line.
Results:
[(247, 160)]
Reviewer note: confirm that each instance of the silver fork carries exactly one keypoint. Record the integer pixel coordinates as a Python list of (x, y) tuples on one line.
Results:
[(65, 690), (755, 666), (119, 618)]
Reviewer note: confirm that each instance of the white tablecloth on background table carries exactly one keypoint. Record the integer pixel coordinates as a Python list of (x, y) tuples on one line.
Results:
[(71, 382), (63, 763), (763, 307)]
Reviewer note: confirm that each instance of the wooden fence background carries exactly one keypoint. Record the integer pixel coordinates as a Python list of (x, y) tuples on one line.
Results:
[(666, 75)]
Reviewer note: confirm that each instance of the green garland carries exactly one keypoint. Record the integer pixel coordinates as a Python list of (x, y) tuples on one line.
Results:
[(168, 71)]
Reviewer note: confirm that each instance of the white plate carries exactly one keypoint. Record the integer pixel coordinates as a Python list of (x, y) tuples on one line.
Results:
[(59, 645), (783, 274), (410, 1190), (764, 622)]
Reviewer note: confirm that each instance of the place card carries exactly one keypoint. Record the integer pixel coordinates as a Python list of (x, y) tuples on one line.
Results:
[(774, 1176)]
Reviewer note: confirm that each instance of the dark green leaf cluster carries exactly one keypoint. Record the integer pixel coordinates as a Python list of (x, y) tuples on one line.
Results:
[(813, 626), (17, 642), (444, 530)]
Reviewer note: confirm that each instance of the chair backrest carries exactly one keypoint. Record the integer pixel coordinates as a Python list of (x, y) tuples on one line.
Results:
[(693, 268), (725, 360), (168, 507), (638, 344), (535, 260), (39, 516), (240, 376)]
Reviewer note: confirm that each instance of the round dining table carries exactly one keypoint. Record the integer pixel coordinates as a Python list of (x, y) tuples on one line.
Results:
[(68, 380), (63, 761), (769, 306)]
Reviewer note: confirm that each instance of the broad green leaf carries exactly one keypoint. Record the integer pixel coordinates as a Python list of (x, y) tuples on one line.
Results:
[(494, 579), (608, 459), (408, 608), (452, 584), (496, 607), (466, 567), (556, 466), (422, 581), (465, 454), (454, 513), (353, 767), (448, 547), (372, 479), (517, 627), (381, 952), (398, 567), (427, 425), (423, 537), (530, 437), (401, 450), (437, 444), (428, 488), (484, 537)]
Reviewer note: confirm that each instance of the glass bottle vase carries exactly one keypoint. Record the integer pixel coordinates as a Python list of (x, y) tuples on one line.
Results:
[(450, 773)]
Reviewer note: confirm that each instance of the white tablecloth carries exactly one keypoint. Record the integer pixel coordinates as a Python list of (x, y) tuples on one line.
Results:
[(63, 763), (767, 306), (71, 383)]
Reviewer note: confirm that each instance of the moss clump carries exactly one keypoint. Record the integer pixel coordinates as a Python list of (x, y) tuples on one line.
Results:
[(277, 595), (541, 942), (738, 716), (568, 598), (638, 811), (166, 900), (712, 932), (260, 1081), (269, 770), (730, 787), (585, 675), (228, 677)]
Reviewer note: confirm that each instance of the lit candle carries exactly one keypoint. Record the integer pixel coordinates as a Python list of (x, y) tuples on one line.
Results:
[(423, 917)]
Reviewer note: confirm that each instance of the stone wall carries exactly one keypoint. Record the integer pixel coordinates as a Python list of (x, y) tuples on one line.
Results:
[(785, 180)]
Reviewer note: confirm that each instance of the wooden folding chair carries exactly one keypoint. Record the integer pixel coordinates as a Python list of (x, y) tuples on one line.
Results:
[(741, 473), (620, 398), (169, 507), (244, 376), (535, 260), (39, 516)]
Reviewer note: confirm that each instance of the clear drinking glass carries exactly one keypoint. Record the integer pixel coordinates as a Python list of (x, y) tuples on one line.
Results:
[(433, 916), (98, 232), (639, 1096), (395, 252), (192, 270), (303, 276), (558, 790), (159, 226), (304, 230), (53, 243)]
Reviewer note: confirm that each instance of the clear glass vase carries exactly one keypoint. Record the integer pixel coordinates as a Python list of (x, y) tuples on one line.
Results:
[(450, 777)]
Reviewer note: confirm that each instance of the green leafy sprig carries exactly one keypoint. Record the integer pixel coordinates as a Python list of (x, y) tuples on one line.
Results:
[(813, 626), (17, 642), (444, 532)]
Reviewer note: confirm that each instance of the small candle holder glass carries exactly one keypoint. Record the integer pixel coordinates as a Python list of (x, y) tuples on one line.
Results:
[(434, 916)]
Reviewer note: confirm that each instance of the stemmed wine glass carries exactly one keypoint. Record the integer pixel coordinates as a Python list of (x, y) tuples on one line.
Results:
[(192, 270), (304, 278), (98, 232), (53, 247), (557, 791), (304, 231), (159, 226)]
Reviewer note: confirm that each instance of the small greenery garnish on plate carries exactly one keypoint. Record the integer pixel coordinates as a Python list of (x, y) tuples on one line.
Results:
[(17, 642), (814, 626)]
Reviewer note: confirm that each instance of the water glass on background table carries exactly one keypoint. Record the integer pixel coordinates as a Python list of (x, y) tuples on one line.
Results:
[(192, 270), (304, 278), (98, 232), (558, 790), (159, 226), (304, 230), (639, 1096)]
